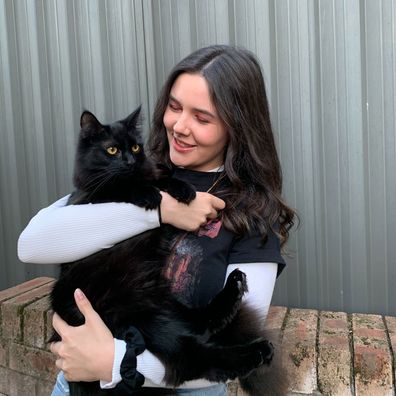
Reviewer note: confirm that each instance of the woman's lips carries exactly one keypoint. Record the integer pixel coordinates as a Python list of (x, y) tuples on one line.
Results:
[(182, 147)]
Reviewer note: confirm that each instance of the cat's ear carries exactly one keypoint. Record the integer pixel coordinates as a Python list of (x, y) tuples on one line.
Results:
[(133, 120), (89, 121)]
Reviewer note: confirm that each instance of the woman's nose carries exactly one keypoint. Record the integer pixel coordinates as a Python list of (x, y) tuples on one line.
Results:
[(181, 125)]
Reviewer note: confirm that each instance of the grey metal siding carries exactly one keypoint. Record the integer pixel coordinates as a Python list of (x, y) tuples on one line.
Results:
[(330, 71)]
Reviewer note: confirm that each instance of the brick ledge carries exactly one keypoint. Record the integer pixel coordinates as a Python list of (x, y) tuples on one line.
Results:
[(328, 353)]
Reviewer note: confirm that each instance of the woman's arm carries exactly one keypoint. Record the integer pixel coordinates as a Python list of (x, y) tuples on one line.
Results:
[(61, 234)]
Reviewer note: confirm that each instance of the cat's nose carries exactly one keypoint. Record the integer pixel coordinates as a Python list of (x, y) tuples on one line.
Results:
[(130, 160)]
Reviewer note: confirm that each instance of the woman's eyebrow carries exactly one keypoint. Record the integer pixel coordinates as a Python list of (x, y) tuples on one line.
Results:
[(206, 112)]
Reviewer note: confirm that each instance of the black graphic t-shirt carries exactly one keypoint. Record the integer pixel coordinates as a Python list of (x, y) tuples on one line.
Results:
[(198, 265)]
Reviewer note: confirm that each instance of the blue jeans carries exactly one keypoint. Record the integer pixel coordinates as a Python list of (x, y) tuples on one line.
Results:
[(215, 390), (62, 389)]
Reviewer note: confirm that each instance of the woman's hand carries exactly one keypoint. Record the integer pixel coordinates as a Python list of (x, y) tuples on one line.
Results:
[(190, 217), (86, 352)]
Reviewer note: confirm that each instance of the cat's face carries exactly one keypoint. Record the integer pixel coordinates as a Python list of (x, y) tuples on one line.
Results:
[(108, 154)]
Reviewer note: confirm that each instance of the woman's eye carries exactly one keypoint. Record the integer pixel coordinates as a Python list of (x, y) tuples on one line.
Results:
[(174, 106), (112, 150), (135, 148), (202, 120)]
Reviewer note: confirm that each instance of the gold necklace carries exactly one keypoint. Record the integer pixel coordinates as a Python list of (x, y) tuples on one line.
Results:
[(185, 233), (216, 182)]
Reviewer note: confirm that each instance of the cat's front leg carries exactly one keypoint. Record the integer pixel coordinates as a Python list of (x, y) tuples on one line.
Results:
[(178, 189), (147, 197)]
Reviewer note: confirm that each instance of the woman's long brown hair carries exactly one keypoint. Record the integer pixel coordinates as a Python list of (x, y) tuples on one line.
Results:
[(237, 89)]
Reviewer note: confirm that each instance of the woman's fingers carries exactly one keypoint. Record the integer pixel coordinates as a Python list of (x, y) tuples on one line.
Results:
[(54, 347), (190, 217), (85, 307), (211, 205), (59, 325), (59, 363), (86, 352), (216, 202)]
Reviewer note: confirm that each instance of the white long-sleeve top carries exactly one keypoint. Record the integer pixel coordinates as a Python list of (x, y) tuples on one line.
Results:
[(61, 234)]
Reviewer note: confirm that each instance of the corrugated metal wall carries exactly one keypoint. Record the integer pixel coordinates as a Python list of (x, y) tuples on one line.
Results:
[(330, 69)]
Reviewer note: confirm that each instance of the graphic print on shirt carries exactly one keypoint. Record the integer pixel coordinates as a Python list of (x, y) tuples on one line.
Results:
[(211, 229), (182, 268), (183, 265)]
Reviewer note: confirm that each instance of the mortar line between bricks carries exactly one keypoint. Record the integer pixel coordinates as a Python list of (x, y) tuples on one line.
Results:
[(48, 331), (21, 313), (45, 330), (352, 351), (22, 322), (392, 354), (282, 332), (284, 322), (317, 352)]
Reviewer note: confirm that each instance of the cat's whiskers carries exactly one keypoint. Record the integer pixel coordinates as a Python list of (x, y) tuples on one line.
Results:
[(102, 181), (98, 178)]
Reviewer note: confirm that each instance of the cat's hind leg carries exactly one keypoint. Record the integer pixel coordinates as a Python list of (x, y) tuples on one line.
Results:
[(218, 363), (222, 309)]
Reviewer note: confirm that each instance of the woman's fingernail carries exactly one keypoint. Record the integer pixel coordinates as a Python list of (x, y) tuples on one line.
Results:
[(79, 294)]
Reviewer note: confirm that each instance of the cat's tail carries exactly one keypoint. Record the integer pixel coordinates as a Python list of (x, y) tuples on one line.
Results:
[(264, 382), (267, 380)]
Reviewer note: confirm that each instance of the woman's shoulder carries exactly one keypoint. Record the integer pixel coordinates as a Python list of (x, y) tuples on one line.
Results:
[(253, 247)]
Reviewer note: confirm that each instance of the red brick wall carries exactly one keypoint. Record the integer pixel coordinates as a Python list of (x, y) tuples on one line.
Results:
[(329, 353), (26, 365), (335, 353)]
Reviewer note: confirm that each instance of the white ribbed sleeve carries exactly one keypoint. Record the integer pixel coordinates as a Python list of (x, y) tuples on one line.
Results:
[(61, 234)]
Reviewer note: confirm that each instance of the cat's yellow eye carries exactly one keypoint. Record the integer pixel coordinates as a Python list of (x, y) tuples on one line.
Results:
[(112, 150), (135, 148)]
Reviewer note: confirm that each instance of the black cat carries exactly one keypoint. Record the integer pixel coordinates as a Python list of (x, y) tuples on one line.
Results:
[(125, 283)]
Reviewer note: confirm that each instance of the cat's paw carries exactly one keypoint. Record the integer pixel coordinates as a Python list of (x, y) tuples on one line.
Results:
[(257, 353), (179, 190), (248, 358), (148, 198), (266, 350), (237, 282)]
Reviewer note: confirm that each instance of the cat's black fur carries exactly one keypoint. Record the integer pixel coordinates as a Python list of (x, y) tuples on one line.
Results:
[(125, 283)]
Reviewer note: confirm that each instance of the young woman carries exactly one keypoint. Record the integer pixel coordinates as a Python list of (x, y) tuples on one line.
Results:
[(212, 127)]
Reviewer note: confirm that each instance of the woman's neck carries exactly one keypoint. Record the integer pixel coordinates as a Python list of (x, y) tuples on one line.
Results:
[(218, 169)]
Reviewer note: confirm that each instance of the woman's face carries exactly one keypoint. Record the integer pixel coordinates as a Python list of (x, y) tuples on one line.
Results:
[(197, 136)]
